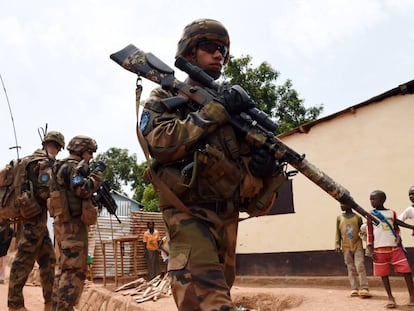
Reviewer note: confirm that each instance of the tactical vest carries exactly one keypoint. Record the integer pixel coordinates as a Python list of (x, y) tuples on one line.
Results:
[(63, 204)]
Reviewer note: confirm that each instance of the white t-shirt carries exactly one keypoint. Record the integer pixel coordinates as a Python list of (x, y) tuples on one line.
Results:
[(407, 214), (383, 235)]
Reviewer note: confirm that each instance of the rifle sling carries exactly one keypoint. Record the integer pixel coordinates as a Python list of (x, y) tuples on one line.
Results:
[(153, 176)]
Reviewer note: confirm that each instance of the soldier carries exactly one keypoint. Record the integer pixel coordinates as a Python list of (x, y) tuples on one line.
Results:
[(226, 176), (72, 208), (34, 242)]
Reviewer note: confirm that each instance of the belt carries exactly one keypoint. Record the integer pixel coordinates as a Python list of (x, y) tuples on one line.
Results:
[(213, 206), (386, 249)]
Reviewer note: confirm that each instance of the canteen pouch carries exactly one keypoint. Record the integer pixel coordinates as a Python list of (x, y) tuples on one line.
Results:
[(58, 206), (29, 207)]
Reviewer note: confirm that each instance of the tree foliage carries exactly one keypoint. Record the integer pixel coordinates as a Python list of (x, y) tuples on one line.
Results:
[(122, 168), (141, 183), (280, 102), (150, 199)]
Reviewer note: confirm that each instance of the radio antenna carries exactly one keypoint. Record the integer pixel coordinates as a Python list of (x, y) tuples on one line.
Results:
[(16, 146)]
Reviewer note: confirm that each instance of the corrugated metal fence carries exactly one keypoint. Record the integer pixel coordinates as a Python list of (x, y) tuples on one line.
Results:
[(108, 228)]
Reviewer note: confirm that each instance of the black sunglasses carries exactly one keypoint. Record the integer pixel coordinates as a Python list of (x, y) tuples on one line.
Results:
[(212, 47)]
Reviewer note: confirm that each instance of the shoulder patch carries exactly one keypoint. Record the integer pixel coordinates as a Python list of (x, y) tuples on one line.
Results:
[(44, 178), (145, 119)]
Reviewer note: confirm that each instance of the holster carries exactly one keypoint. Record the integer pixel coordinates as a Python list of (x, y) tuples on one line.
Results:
[(29, 207)]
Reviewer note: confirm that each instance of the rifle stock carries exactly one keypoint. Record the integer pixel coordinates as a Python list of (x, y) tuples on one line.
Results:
[(147, 65)]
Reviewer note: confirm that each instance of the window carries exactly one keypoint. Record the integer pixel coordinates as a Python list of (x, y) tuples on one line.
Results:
[(284, 202)]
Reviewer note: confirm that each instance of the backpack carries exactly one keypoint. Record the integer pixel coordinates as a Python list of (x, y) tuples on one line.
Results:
[(17, 198)]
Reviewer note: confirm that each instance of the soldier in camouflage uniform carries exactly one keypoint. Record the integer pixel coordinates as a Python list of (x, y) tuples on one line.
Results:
[(212, 170), (71, 206), (34, 242)]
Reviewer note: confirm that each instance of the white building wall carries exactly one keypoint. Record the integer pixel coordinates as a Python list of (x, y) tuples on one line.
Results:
[(371, 148)]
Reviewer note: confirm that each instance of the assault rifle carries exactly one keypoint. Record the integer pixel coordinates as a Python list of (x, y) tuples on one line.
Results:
[(103, 198), (254, 123)]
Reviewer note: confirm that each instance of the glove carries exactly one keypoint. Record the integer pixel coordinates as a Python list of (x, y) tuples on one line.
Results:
[(100, 166), (262, 164), (236, 100)]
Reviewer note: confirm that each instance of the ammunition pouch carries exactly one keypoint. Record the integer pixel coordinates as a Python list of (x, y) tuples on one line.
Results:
[(217, 178), (89, 212), (263, 202), (58, 206), (172, 177)]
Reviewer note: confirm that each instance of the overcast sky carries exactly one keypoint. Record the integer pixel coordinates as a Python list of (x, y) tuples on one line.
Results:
[(54, 57)]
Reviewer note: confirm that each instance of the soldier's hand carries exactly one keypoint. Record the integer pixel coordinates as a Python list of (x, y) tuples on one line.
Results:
[(262, 163), (100, 166), (236, 100)]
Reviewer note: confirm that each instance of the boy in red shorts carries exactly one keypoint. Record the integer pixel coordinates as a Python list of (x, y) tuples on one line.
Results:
[(384, 243)]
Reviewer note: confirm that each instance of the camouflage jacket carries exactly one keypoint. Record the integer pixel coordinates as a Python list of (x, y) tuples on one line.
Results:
[(66, 171), (198, 154)]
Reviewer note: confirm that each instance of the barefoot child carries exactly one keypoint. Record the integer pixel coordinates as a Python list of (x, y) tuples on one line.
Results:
[(384, 243)]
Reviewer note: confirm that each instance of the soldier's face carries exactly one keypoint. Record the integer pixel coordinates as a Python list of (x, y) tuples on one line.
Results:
[(53, 148), (212, 61), (87, 156)]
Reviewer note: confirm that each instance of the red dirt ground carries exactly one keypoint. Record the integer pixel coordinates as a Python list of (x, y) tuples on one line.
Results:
[(270, 294)]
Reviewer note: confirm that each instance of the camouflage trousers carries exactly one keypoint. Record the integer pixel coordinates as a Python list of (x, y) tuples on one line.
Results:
[(34, 245), (72, 240), (202, 256)]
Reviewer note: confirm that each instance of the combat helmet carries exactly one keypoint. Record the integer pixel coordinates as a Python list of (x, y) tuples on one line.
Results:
[(81, 143), (56, 137), (199, 30)]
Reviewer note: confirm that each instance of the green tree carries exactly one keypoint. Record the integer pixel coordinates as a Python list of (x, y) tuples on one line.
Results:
[(141, 183), (280, 102), (150, 199), (122, 169)]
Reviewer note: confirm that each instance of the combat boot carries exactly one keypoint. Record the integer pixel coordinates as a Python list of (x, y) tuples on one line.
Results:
[(48, 306)]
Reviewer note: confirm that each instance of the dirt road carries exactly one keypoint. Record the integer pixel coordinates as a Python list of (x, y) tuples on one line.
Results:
[(268, 294)]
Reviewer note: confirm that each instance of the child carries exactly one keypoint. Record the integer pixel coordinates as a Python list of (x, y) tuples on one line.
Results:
[(348, 240), (384, 243), (409, 211), (165, 252)]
